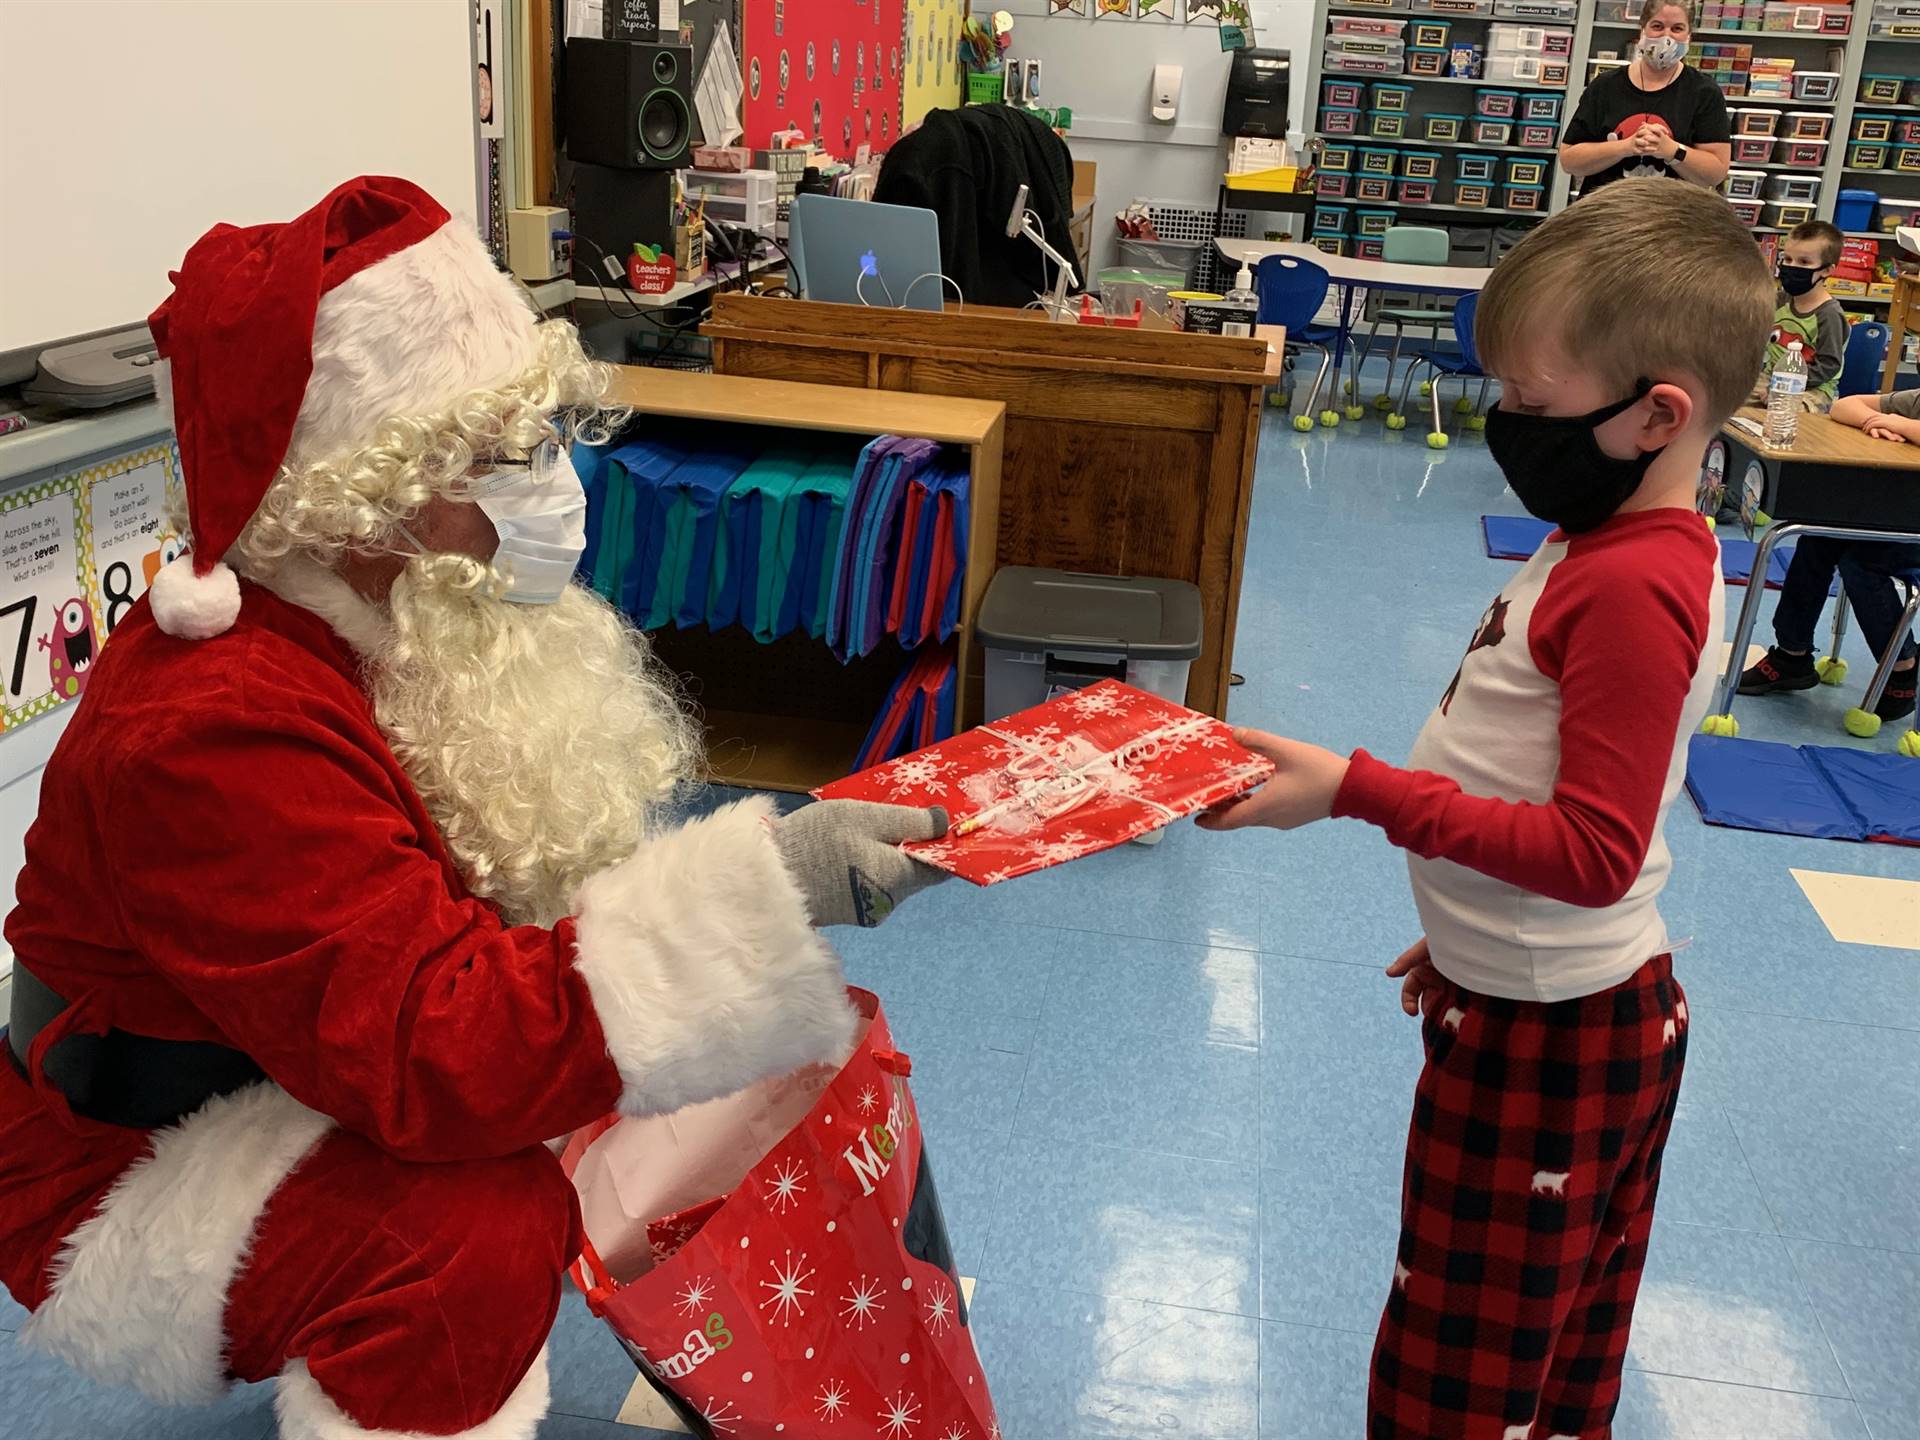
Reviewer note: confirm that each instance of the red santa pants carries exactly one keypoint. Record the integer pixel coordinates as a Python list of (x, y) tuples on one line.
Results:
[(1532, 1165), (418, 1296)]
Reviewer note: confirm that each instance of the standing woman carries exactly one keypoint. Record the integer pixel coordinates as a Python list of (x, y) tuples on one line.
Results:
[(1655, 116)]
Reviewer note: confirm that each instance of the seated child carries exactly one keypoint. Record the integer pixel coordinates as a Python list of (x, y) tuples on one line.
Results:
[(1533, 811), (1807, 313), (1866, 567)]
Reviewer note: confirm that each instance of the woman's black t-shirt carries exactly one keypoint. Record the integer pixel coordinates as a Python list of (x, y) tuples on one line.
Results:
[(1692, 108)]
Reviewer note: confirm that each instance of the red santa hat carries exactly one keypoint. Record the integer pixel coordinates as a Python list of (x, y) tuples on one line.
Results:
[(293, 342)]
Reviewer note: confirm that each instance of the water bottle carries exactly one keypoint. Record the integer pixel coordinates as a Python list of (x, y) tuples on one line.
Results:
[(1784, 390)]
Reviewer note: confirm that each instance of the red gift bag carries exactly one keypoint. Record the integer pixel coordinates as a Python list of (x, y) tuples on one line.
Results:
[(815, 1297)]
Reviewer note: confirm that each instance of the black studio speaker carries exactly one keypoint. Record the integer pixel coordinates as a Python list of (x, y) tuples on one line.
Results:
[(629, 106)]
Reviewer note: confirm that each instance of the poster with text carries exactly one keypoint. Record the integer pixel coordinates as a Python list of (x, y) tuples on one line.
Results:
[(832, 67), (127, 514)]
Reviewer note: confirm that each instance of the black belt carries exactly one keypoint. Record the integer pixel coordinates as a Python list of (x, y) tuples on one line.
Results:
[(117, 1078)]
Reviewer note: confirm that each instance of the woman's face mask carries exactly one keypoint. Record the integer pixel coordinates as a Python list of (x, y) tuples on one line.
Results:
[(1663, 52)]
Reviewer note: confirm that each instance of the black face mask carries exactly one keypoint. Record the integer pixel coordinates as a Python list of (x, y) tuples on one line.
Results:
[(1797, 279), (1558, 469)]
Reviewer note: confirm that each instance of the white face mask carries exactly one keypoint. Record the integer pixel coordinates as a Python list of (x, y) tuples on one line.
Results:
[(539, 511), (1663, 52)]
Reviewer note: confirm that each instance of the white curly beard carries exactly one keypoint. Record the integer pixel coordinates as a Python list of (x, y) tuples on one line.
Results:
[(540, 737)]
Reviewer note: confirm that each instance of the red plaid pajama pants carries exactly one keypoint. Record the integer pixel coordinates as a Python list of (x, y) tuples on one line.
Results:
[(1532, 1164)]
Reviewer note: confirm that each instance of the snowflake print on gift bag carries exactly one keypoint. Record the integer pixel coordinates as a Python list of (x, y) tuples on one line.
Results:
[(818, 1294)]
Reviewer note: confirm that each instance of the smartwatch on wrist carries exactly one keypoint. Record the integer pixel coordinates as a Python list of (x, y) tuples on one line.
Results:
[(1679, 154)]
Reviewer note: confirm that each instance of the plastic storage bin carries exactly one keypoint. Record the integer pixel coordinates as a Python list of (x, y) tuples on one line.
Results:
[(1394, 96), (1867, 155), (1369, 46), (1906, 159), (1372, 222), (1882, 89), (1799, 189), (1448, 128), (1493, 132), (1415, 192), (1336, 157), (1474, 167), (1787, 214), (1907, 132), (1387, 124), (1460, 9), (1526, 197), (1854, 210), (1816, 84), (1370, 249), (1873, 127), (1035, 627), (1430, 34), (1420, 165), (1339, 120), (1745, 184), (1526, 172), (1752, 149), (1372, 187), (1496, 104), (1752, 120), (1343, 94), (1333, 184), (1330, 244), (1335, 62), (1368, 25), (1427, 64), (1537, 135), (1473, 194), (1331, 219), (1378, 162), (1746, 211), (1540, 107), (1806, 125), (1557, 12), (1811, 153)]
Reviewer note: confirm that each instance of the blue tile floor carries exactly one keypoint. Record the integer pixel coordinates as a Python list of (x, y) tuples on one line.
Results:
[(1166, 1090)]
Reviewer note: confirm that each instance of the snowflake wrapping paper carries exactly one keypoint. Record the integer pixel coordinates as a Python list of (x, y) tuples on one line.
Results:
[(1077, 775)]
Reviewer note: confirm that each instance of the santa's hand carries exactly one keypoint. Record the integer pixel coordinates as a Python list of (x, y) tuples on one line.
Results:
[(845, 856)]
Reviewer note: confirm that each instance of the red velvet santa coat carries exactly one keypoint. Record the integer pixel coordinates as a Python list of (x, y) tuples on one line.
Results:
[(227, 850)]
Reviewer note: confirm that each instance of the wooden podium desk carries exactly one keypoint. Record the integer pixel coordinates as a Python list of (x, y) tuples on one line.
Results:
[(1128, 452)]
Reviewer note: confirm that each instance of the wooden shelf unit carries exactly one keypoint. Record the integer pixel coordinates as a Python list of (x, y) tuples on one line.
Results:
[(789, 716)]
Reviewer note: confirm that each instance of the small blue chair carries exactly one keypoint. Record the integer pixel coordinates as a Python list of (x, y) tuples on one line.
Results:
[(1291, 292), (1441, 365), (1866, 353), (1861, 721)]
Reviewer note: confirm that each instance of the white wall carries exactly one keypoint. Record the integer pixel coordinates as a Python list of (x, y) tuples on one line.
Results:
[(1103, 68)]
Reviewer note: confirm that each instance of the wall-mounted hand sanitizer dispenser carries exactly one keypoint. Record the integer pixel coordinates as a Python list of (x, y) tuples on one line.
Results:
[(1166, 92)]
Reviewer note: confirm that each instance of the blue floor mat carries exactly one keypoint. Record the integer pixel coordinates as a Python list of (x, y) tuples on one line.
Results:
[(1516, 537), (1824, 792)]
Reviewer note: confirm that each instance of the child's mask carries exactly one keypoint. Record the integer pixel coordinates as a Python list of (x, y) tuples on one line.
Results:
[(1798, 279), (1557, 468)]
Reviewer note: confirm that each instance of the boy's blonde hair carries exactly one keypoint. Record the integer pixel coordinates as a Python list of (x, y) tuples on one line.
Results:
[(1650, 278)]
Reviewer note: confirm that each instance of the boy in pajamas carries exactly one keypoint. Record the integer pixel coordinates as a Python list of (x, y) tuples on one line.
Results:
[(1533, 810)]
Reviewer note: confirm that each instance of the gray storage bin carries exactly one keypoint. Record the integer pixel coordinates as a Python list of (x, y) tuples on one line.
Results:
[(1178, 257)]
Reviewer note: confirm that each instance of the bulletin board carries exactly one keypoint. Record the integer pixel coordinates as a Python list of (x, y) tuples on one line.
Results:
[(832, 67), (932, 78), (76, 551)]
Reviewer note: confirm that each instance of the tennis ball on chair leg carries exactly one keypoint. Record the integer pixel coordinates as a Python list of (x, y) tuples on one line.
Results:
[(1396, 422), (1383, 402), (1831, 670), (1720, 725), (1426, 387), (1354, 412), (1910, 744), (1476, 422), (1863, 723), (1303, 423), (1463, 406), (1329, 418), (1438, 440)]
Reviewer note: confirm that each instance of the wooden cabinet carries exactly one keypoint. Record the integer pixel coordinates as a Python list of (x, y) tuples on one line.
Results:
[(1128, 452), (788, 716)]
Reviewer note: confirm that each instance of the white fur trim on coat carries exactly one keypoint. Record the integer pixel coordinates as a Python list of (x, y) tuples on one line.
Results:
[(307, 1414), (350, 615), (140, 1288), (704, 971), (409, 336), (194, 607)]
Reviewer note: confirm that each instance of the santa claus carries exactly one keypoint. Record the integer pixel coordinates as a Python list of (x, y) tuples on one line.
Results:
[(350, 885)]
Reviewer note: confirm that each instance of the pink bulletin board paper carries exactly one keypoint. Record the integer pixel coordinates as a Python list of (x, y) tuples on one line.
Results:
[(1082, 773), (833, 67)]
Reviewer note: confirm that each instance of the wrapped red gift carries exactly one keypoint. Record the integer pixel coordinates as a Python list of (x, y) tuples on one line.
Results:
[(1077, 775)]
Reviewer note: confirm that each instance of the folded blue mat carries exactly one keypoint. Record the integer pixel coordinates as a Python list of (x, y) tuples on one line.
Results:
[(1825, 792), (1516, 537)]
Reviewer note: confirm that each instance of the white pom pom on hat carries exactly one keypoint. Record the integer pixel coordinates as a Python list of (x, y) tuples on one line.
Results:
[(191, 605)]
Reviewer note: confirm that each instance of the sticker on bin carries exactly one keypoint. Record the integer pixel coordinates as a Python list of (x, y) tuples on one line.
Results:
[(1427, 64)]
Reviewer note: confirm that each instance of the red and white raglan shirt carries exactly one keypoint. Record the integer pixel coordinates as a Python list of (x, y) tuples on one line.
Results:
[(1536, 797)]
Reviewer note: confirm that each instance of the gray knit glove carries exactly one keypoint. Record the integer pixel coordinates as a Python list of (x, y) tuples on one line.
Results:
[(845, 857)]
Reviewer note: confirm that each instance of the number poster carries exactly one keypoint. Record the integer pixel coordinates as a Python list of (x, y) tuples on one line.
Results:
[(75, 553)]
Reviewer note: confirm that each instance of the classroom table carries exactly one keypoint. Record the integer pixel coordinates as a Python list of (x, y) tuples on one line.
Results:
[(1354, 275), (1834, 481)]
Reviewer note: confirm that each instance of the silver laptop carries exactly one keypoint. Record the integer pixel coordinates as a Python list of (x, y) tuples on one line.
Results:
[(851, 252)]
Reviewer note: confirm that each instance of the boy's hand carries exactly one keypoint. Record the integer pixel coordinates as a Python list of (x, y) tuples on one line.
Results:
[(1422, 980), (1305, 780), (1885, 427)]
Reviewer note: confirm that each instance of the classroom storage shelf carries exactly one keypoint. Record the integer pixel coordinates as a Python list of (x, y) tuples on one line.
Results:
[(789, 716)]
